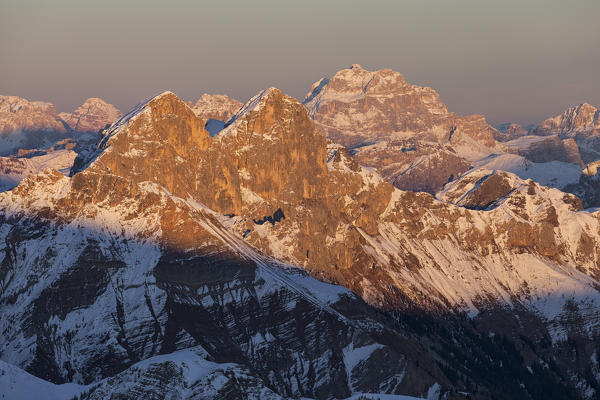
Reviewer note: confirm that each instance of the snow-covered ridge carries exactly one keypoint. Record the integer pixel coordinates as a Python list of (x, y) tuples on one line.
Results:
[(16, 384)]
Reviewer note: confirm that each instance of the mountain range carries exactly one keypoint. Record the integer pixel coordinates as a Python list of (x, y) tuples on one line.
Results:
[(361, 243)]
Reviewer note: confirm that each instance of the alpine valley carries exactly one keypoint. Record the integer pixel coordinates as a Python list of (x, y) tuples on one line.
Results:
[(361, 243)]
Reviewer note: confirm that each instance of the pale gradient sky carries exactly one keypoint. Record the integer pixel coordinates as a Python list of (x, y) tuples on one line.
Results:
[(511, 60)]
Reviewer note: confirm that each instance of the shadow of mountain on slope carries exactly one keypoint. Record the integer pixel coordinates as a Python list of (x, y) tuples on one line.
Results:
[(95, 316), (219, 301)]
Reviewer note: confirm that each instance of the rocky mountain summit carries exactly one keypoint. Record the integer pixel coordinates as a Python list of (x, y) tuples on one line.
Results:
[(583, 119), (135, 265), (216, 106), (21, 115), (28, 125), (18, 114), (93, 115), (582, 123), (571, 138), (181, 258), (357, 106)]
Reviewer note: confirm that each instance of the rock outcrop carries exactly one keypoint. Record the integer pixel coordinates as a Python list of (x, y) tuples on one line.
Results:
[(543, 149), (581, 123), (412, 164), (33, 136), (510, 131), (19, 115)]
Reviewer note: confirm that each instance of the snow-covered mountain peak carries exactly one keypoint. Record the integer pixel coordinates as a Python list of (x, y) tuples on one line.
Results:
[(216, 106), (581, 120), (357, 106), (93, 115)]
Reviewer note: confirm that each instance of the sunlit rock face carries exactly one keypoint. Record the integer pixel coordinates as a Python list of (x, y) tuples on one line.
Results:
[(93, 115), (358, 106), (164, 238), (582, 123), (315, 206)]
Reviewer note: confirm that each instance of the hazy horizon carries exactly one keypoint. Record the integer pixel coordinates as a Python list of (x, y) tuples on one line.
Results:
[(510, 61)]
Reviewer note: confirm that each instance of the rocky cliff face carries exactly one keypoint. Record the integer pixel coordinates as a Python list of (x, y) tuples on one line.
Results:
[(356, 106), (21, 115), (583, 119), (543, 149), (412, 164), (164, 238), (28, 124), (582, 123), (415, 143), (93, 115)]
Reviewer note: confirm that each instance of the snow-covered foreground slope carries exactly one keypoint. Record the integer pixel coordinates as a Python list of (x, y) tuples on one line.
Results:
[(182, 375), (165, 238), (555, 174), (16, 384)]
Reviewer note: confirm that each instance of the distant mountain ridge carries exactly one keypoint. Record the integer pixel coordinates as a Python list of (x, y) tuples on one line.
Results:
[(21, 115)]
